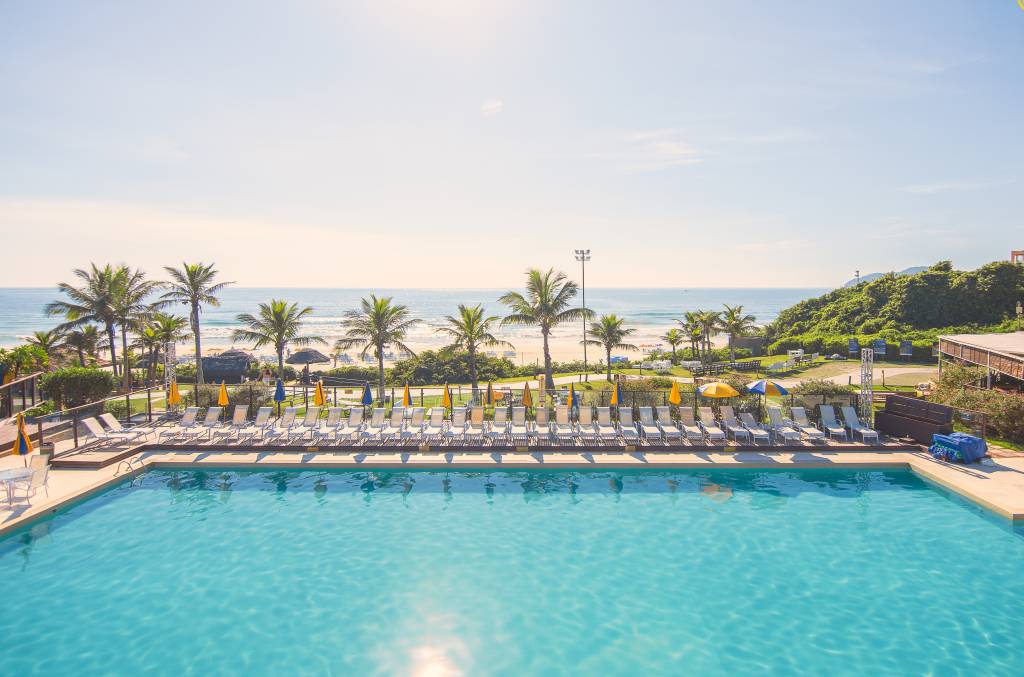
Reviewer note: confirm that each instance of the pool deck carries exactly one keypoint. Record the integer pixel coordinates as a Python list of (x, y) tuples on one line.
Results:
[(997, 484)]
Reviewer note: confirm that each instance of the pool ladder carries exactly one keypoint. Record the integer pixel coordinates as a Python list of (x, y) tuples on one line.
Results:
[(129, 465)]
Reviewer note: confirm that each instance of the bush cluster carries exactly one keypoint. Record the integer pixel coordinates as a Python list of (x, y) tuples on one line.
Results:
[(1004, 412), (75, 386)]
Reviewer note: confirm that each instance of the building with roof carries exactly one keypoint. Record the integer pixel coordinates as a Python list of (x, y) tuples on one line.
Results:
[(1002, 355)]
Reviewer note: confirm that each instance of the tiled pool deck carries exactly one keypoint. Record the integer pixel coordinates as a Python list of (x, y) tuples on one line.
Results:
[(997, 484)]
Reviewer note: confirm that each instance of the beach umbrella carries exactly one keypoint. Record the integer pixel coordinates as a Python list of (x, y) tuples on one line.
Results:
[(764, 387), (22, 443), (222, 397), (616, 395), (674, 397), (319, 398), (446, 397), (279, 395), (572, 396), (173, 396), (527, 397), (406, 397), (717, 390), (307, 356), (367, 396), (489, 395)]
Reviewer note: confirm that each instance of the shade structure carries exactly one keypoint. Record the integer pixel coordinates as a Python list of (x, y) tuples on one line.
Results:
[(406, 397), (279, 395), (765, 387), (367, 398), (173, 395), (489, 395), (22, 443), (446, 397), (307, 356), (674, 396), (572, 396), (717, 390), (319, 398), (527, 396), (616, 395), (222, 396)]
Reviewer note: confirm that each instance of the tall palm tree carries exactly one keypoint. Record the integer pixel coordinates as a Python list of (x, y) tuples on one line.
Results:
[(50, 341), (694, 333), (160, 330), (84, 341), (471, 331), (131, 289), (609, 333), (193, 285), (277, 324), (546, 304), (673, 337), (377, 324), (93, 302), (734, 323)]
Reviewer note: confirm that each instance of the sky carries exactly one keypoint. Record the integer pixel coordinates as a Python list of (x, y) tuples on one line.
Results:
[(452, 143)]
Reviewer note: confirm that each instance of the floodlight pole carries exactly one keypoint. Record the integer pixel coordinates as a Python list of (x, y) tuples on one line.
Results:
[(583, 255)]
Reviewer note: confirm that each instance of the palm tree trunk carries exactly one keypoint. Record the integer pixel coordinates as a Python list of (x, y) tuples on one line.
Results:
[(732, 350), (472, 372), (280, 363), (124, 356), (608, 355), (112, 337), (380, 373), (549, 379), (81, 356), (199, 349)]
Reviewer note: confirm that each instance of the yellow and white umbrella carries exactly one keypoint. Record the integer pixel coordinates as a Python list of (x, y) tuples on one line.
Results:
[(319, 398)]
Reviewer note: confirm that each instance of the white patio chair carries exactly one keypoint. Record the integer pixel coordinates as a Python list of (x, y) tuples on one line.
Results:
[(855, 427), (780, 427), (668, 427), (627, 429), (829, 424), (709, 425), (732, 426), (757, 431), (801, 423), (648, 428)]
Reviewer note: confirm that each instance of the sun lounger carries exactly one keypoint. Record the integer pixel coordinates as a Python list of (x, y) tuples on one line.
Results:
[(693, 431), (395, 424), (668, 427), (606, 430), (829, 423), (307, 427), (856, 427), (710, 426), (351, 429), (562, 427), (328, 429), (457, 428), (520, 429), (781, 428), (239, 418), (475, 428), (187, 426), (114, 426), (498, 430), (649, 430), (96, 433), (435, 425), (375, 429), (258, 426), (586, 427), (211, 421), (801, 423), (280, 429), (732, 426), (626, 426), (542, 424), (414, 428), (757, 431)]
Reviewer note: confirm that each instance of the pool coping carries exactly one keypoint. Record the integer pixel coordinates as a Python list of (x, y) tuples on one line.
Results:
[(961, 480)]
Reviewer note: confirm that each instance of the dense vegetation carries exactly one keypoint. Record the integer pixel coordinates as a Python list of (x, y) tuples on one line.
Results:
[(75, 386), (895, 307), (1004, 412)]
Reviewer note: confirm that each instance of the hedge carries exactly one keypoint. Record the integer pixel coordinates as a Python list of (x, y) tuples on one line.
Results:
[(75, 386)]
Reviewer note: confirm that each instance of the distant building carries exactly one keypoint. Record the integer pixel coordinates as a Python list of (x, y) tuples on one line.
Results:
[(1017, 256)]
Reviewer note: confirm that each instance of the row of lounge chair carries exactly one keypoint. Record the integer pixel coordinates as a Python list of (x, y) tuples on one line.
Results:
[(469, 426)]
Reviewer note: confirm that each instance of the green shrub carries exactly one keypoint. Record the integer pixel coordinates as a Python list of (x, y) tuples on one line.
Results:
[(354, 373), (43, 409), (447, 366), (75, 386), (1004, 413)]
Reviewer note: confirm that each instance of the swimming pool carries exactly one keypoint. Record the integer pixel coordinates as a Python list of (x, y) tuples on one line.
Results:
[(231, 572)]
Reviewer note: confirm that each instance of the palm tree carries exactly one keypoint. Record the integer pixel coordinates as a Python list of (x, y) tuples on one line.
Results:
[(84, 341), (50, 341), (131, 288), (709, 322), (193, 285), (545, 304), (470, 331), (160, 330), (93, 302), (609, 333), (277, 324), (377, 324), (694, 333), (673, 337), (734, 323)]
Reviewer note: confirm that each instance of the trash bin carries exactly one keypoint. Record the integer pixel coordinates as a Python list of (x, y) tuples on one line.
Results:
[(46, 450)]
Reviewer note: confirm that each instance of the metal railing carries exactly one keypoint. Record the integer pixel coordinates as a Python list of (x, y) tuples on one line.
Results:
[(20, 394)]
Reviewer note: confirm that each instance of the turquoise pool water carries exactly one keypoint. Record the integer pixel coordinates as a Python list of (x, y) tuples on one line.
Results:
[(512, 573)]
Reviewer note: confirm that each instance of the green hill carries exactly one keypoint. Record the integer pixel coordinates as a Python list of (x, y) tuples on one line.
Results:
[(916, 307)]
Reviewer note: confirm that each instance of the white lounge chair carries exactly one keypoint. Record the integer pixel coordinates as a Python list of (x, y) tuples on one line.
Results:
[(732, 426), (757, 431), (586, 427), (856, 427), (211, 421), (114, 426), (475, 428), (352, 427), (520, 430), (801, 423), (829, 423), (498, 430), (435, 425), (781, 428), (542, 424), (96, 433), (457, 428), (562, 427), (606, 430), (692, 430), (395, 424), (414, 427), (710, 426), (668, 427), (187, 425), (373, 432), (626, 426), (648, 428), (328, 429), (307, 427), (281, 429), (239, 418), (258, 426)]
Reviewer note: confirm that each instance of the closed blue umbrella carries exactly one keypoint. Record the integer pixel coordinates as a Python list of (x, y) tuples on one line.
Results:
[(279, 395), (367, 395)]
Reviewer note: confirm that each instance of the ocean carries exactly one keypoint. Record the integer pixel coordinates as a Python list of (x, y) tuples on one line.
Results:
[(650, 311)]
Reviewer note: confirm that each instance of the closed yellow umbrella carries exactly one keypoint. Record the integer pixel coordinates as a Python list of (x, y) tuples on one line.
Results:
[(446, 398), (173, 396), (616, 395), (717, 390), (319, 398), (406, 397), (527, 397), (222, 398), (674, 397), (22, 443)]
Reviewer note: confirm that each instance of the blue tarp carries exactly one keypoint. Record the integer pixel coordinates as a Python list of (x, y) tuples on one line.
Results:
[(958, 448)]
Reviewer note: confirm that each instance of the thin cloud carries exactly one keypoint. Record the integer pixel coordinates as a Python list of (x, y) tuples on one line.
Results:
[(942, 187), (491, 107), (644, 151)]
